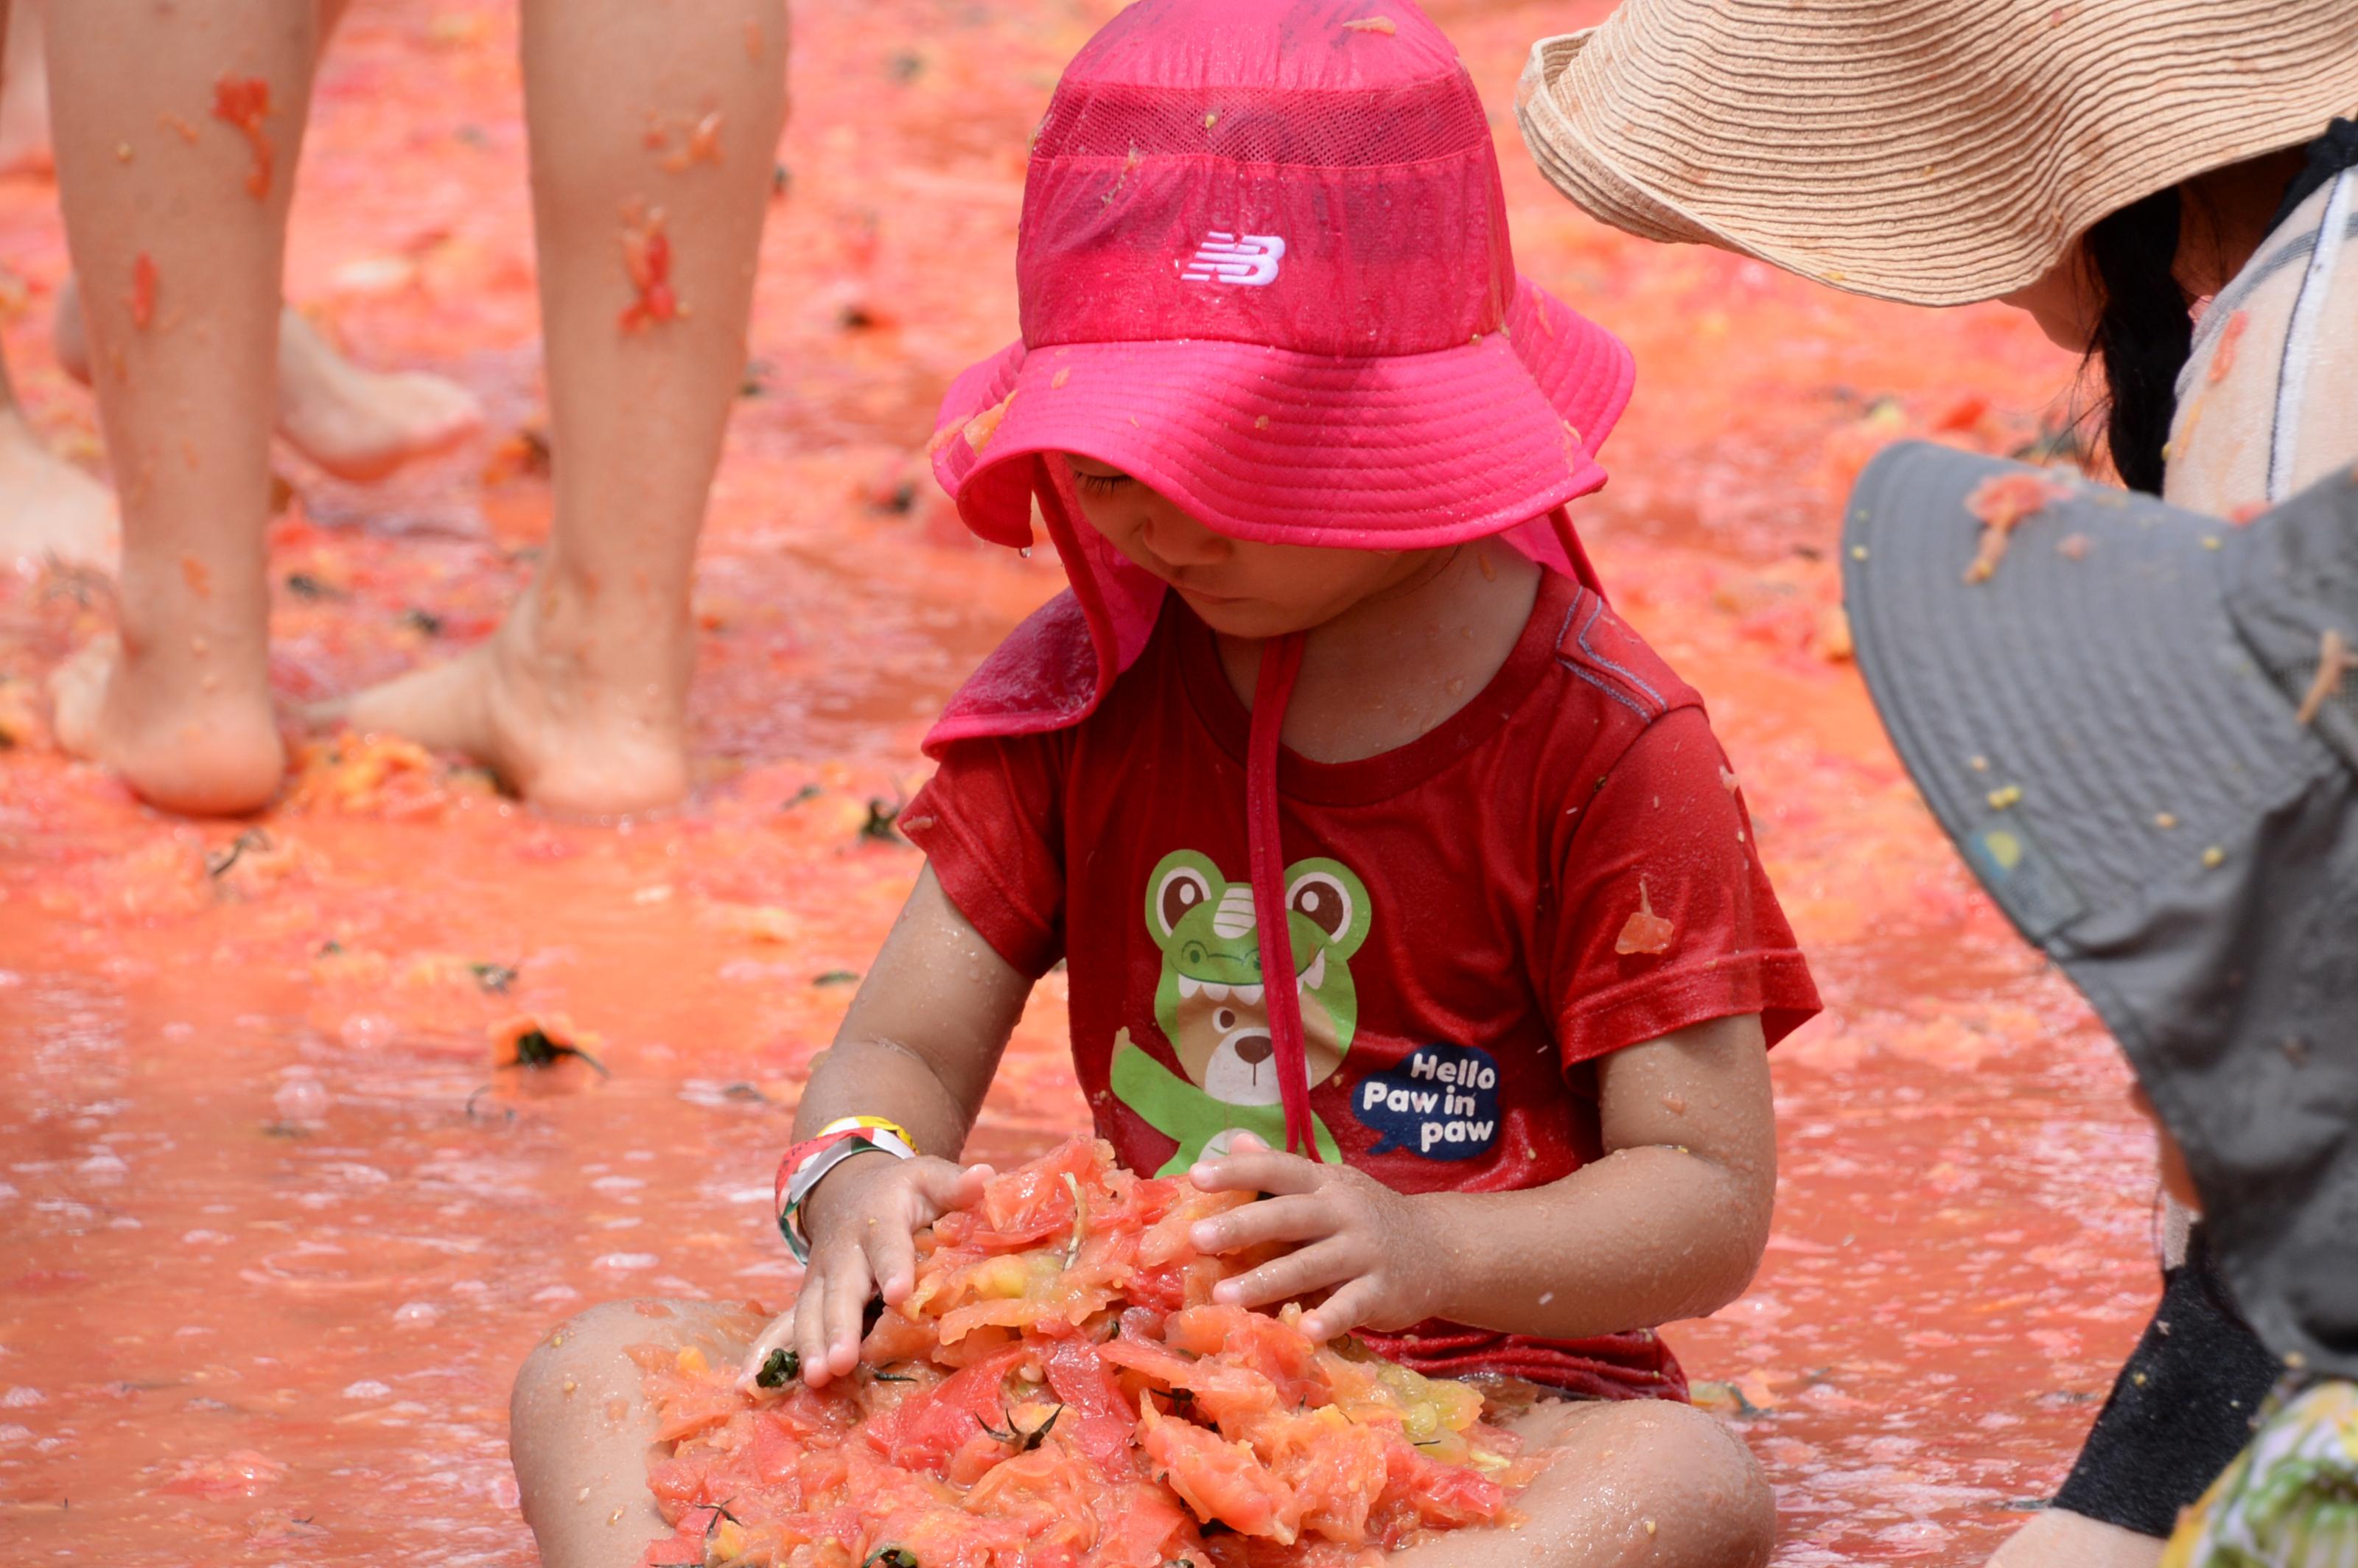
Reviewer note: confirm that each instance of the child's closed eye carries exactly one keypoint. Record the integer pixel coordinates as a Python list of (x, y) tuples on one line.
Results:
[(1099, 483)]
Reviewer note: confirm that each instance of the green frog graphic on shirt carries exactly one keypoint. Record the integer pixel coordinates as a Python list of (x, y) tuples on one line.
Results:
[(1211, 1002)]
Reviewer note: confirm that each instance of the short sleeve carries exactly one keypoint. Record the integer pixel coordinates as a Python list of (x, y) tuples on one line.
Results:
[(1663, 915), (990, 822)]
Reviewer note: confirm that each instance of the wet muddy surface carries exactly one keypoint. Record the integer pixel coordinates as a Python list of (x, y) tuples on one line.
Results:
[(275, 1230)]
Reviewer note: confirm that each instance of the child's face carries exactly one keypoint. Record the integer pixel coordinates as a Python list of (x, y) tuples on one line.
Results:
[(1235, 585)]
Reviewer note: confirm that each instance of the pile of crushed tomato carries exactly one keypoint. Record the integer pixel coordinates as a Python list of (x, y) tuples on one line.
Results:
[(1060, 1392)]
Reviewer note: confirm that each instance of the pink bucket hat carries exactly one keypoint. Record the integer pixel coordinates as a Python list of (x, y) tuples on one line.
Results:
[(1264, 269)]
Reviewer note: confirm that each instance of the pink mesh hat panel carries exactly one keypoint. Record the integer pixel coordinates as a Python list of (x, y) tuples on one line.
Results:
[(1265, 174), (1264, 268)]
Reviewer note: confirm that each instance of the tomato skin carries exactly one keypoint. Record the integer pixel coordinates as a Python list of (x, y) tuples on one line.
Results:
[(1029, 1204), (1277, 1350), (1220, 1480), (775, 1457), (1336, 1467), (1099, 1418), (1443, 1496), (932, 1426), (1144, 1528)]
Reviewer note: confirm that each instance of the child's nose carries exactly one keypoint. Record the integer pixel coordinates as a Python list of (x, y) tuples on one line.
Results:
[(1183, 542)]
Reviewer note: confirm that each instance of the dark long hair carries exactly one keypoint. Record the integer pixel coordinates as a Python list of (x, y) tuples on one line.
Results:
[(2145, 334)]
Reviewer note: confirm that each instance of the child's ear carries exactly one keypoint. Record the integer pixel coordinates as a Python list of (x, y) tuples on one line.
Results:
[(1329, 896), (1182, 881)]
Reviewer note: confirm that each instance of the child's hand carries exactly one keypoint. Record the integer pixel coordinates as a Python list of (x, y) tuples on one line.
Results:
[(861, 1220), (1351, 1234)]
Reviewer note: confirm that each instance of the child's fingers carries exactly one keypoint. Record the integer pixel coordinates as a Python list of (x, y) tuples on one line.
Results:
[(1257, 1170), (1345, 1310), (810, 1323), (1297, 1274), (1301, 1217), (946, 1186), (847, 1302), (892, 1252)]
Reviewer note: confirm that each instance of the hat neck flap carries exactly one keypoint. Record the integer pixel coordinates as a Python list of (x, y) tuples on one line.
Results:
[(1055, 667)]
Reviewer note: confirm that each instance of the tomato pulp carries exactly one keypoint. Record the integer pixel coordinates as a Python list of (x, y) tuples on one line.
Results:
[(1059, 1390)]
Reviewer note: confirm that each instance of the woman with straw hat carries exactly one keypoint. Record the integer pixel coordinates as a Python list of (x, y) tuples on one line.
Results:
[(2165, 186)]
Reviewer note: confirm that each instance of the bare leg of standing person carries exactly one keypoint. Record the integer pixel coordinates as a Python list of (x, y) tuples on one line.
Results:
[(356, 424), (24, 89), (177, 128), (49, 508), (653, 131)]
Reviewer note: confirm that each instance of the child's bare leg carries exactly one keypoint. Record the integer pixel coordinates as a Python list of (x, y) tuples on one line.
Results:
[(581, 1434), (182, 241), (653, 131), (356, 424), (23, 90), (2062, 1539), (48, 506), (1636, 1482)]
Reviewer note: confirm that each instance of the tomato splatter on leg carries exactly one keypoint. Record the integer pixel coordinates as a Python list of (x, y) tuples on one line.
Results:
[(646, 256), (244, 101), (703, 145), (144, 280)]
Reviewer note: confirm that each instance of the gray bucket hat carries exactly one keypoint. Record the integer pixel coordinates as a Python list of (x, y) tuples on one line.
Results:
[(2132, 720)]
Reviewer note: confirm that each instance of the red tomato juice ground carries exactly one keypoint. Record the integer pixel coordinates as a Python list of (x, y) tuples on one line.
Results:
[(274, 1233)]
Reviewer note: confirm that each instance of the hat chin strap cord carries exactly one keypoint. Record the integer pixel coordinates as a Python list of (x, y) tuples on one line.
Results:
[(1575, 552), (1280, 663)]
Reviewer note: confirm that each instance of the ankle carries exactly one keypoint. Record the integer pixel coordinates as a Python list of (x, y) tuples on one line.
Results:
[(202, 752), (632, 645)]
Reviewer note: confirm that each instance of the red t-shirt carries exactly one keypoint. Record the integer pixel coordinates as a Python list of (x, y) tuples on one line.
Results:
[(1461, 909)]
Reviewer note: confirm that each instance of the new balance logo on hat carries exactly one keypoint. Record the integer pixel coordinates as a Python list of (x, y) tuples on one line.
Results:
[(1249, 259)]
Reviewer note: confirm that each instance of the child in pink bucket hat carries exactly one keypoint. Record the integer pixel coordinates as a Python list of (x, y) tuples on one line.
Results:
[(1397, 880)]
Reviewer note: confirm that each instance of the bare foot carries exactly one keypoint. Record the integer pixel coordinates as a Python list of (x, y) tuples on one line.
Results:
[(49, 508), (586, 719), (358, 424), (182, 746)]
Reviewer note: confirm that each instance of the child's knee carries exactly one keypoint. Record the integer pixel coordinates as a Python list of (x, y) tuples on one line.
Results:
[(1658, 1475), (1718, 1487), (588, 1356), (583, 1364)]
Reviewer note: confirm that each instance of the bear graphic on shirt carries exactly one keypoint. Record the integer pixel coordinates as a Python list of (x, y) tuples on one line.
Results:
[(1211, 1002)]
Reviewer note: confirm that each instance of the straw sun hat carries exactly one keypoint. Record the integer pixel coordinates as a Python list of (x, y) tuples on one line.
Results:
[(1930, 151)]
